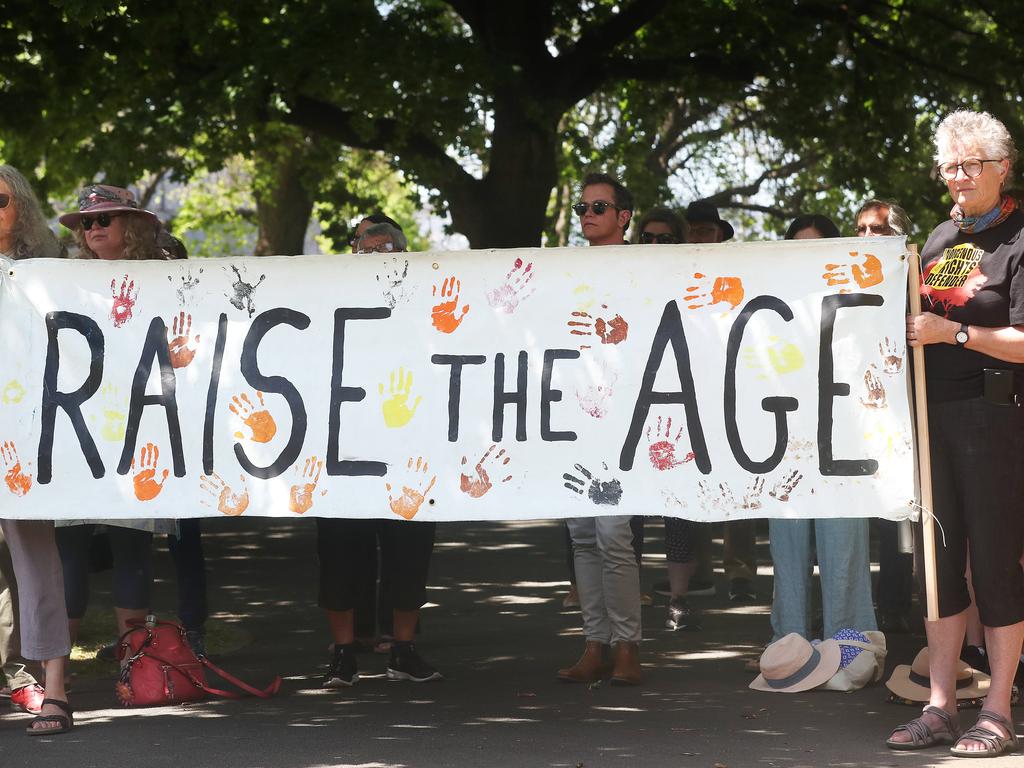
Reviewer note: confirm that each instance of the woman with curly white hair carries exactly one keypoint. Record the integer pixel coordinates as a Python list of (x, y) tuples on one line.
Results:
[(972, 331)]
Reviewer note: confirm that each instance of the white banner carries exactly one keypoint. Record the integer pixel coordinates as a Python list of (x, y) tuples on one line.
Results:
[(708, 382)]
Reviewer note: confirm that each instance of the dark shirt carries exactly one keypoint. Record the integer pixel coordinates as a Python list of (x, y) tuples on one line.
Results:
[(973, 278)]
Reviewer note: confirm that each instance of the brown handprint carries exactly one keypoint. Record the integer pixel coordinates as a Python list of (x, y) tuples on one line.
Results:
[(124, 301), (876, 397), (752, 498), (18, 482), (892, 357), (442, 316), (301, 497), (782, 489), (256, 419), (182, 349), (865, 274), (476, 486), (413, 491), (223, 495), (146, 485), (613, 331)]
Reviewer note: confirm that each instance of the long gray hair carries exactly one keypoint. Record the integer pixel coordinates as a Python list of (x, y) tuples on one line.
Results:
[(30, 236)]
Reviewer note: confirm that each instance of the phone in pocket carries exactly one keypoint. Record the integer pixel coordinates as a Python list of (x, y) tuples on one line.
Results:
[(999, 387)]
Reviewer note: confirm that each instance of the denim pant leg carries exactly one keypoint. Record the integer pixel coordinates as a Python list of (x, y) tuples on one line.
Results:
[(620, 577), (790, 542), (844, 562), (190, 565), (589, 578)]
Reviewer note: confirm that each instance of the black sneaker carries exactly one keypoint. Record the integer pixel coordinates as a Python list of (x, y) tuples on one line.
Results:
[(681, 616), (742, 591), (406, 664), (196, 640), (699, 588), (342, 672), (107, 652)]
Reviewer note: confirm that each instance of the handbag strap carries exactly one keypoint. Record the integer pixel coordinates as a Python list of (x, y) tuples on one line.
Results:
[(266, 693)]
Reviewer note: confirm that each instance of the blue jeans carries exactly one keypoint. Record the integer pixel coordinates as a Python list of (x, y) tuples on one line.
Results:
[(842, 547)]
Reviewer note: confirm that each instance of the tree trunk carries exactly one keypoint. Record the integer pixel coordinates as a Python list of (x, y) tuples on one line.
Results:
[(283, 205)]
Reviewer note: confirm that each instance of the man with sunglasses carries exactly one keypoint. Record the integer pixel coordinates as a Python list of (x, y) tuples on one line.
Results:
[(607, 572), (605, 208)]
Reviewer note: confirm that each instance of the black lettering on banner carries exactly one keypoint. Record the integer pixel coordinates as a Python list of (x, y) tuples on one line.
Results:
[(503, 398), (263, 324), (154, 348), (69, 402), (549, 395), (777, 405), (211, 393), (455, 386), (341, 394), (829, 389), (670, 331)]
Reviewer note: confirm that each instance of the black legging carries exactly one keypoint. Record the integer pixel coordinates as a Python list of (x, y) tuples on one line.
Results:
[(133, 566)]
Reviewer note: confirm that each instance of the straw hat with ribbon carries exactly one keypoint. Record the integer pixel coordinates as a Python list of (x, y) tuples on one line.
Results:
[(791, 665)]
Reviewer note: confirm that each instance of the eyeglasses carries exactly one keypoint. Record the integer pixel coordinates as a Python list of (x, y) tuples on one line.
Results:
[(972, 168), (5, 199), (101, 220), (663, 238), (386, 247), (874, 229), (598, 206)]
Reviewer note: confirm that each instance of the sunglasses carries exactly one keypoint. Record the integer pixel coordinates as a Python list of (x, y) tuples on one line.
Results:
[(664, 238), (598, 206), (101, 220), (5, 199)]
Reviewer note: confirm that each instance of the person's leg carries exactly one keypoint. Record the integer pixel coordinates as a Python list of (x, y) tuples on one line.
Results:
[(190, 565), (895, 579), (133, 574), (620, 582), (406, 549), (739, 558), (681, 565), (13, 664), (790, 542), (73, 544), (337, 540), (42, 611), (845, 567), (592, 665)]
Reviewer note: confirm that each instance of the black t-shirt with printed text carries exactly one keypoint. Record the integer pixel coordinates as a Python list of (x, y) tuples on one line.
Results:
[(973, 278)]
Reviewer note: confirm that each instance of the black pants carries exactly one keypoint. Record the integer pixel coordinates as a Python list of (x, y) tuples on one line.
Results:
[(405, 549), (133, 566), (977, 452), (190, 564)]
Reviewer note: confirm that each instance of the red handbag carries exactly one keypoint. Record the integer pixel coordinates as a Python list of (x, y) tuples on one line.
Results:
[(162, 669)]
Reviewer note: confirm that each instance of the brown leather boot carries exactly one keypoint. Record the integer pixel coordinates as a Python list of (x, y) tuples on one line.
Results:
[(627, 664), (590, 668)]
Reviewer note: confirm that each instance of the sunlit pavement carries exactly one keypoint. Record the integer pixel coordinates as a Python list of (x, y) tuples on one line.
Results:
[(496, 628)]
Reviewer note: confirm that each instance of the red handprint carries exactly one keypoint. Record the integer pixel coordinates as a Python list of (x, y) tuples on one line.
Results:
[(124, 301)]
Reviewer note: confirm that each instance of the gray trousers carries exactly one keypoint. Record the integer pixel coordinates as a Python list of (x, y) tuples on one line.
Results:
[(43, 616), (11, 660), (607, 577)]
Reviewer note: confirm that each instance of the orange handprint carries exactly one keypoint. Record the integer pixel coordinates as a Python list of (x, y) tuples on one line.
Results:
[(480, 484), (181, 348), (301, 498), (443, 314), (18, 482), (613, 331), (257, 420), (413, 492), (867, 274), (146, 486), (228, 502), (722, 289)]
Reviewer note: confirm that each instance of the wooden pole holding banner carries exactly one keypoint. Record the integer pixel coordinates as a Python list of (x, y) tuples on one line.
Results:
[(924, 455)]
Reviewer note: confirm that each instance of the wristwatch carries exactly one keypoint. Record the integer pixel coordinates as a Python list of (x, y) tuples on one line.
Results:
[(962, 336)]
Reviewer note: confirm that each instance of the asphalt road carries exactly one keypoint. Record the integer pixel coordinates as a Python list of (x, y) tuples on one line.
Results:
[(497, 630)]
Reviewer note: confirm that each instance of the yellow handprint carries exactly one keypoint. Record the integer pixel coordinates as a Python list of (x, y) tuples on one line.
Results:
[(397, 412), (779, 358)]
